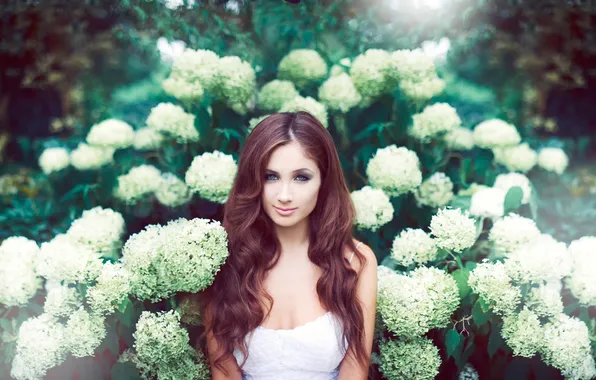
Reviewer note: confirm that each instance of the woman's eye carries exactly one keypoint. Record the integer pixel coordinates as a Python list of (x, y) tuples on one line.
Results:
[(305, 178)]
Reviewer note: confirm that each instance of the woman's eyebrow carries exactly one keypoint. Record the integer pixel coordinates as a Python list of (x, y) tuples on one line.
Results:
[(295, 171)]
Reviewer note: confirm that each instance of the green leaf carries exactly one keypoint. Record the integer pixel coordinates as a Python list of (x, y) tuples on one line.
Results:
[(461, 277), (478, 314), (124, 371), (513, 199), (495, 340), (452, 339)]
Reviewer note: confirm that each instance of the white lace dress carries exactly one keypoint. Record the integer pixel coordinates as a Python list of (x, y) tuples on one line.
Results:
[(312, 351)]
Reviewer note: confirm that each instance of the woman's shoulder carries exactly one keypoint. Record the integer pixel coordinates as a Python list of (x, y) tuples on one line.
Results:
[(366, 251)]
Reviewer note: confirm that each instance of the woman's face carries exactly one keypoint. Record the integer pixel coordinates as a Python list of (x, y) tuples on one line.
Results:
[(291, 180)]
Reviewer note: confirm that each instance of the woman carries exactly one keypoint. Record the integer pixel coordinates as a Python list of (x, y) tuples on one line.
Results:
[(296, 297)]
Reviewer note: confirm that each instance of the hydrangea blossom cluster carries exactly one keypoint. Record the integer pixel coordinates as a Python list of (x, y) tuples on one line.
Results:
[(275, 93), (488, 203), (112, 287), (553, 159), (409, 359), (191, 363), (303, 67), (510, 232), (62, 301), (41, 345), (100, 229), (212, 174), (435, 120), (435, 191), (416, 74), (413, 246), (543, 259), (495, 133), (64, 259), (308, 104), (373, 208), (172, 191), (412, 305), (172, 120), (19, 279), (493, 284), (182, 256), (459, 138), (137, 183), (517, 158), (339, 93), (159, 338), (581, 280), (85, 332), (200, 66), (369, 73), (468, 373), (182, 89), (88, 157), (147, 139), (111, 133), (423, 91), (252, 123), (545, 301), (523, 333), (453, 229), (394, 170), (236, 83), (54, 160), (506, 181)]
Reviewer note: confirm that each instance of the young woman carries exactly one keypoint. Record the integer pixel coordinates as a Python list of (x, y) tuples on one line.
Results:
[(296, 297)]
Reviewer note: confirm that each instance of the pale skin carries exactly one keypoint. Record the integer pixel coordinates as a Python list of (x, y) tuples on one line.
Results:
[(292, 180)]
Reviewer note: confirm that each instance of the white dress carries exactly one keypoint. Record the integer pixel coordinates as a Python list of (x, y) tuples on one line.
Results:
[(312, 351)]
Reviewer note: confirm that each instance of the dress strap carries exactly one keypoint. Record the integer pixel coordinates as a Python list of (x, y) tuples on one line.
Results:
[(351, 257)]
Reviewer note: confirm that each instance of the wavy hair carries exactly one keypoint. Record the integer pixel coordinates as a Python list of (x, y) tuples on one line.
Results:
[(234, 300)]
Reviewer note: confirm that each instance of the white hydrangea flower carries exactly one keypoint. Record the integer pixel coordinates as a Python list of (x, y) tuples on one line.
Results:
[(459, 138), (435, 191), (434, 120), (581, 281), (182, 256), (339, 93), (553, 160), (495, 133), (337, 70), (275, 93), (303, 67), (369, 73), (19, 279), (64, 259), (84, 333), (506, 181), (409, 359), (53, 160), (192, 363), (413, 246), (488, 203), (453, 230), (100, 229), (523, 333), (422, 91), (517, 158), (87, 157), (567, 348), (309, 105), (212, 175), (373, 208), (412, 65), (197, 66), (62, 301), (172, 191), (159, 338), (147, 139), (493, 284), (394, 170), (545, 301), (40, 347), (236, 82), (511, 232), (138, 182), (111, 133), (182, 89), (468, 373), (543, 259), (112, 287), (442, 289), (171, 120), (252, 123)]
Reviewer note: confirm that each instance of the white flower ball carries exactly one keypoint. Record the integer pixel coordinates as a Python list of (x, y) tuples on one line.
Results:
[(309, 105), (172, 191), (495, 133), (236, 83), (53, 160), (84, 333), (171, 120), (436, 119), (394, 170), (581, 281), (183, 90), (275, 93), (212, 176), (199, 66), (545, 301), (553, 160), (459, 138), (491, 282), (508, 180), (424, 90), (112, 287), (435, 191), (373, 208), (488, 203), (303, 67), (453, 229), (413, 246), (138, 182), (518, 158), (412, 65), (100, 229), (147, 139), (62, 301), (523, 333), (368, 71), (111, 133), (19, 279), (511, 232), (409, 359), (87, 157), (63, 259), (339, 93)]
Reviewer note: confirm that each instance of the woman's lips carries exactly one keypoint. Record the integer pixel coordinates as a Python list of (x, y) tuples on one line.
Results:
[(284, 212)]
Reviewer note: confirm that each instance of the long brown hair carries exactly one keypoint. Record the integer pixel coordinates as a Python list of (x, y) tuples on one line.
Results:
[(234, 300)]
